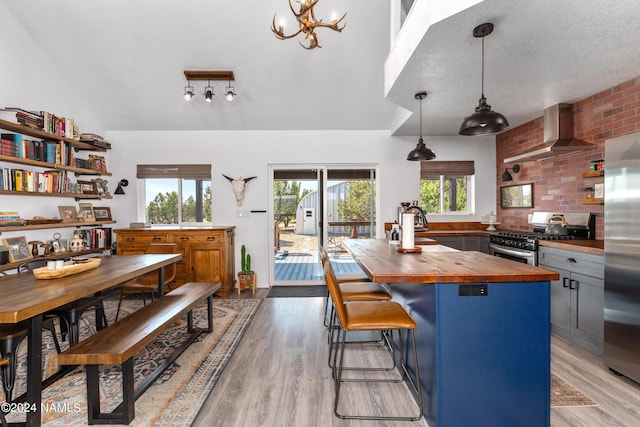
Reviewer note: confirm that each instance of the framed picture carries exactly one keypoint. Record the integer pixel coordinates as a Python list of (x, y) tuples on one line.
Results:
[(68, 213), (101, 186), (85, 213), (98, 163), (88, 187), (516, 196), (18, 248), (102, 213)]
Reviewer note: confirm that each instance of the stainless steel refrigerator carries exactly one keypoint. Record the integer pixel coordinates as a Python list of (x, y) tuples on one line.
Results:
[(622, 255)]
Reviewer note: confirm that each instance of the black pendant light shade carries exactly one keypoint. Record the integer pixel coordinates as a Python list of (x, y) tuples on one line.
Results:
[(421, 152), (483, 121)]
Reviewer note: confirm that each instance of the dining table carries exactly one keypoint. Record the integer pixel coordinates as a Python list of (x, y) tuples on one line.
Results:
[(483, 330), (23, 297)]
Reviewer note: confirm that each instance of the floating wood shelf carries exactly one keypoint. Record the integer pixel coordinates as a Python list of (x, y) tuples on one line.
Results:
[(593, 201), (593, 174)]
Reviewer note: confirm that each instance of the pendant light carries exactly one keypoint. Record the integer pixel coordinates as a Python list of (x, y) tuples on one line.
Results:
[(421, 152), (484, 120)]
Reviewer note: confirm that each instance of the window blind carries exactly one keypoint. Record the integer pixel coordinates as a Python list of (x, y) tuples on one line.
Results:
[(433, 169), (174, 171)]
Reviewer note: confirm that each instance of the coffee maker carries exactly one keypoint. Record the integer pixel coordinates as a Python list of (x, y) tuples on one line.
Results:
[(420, 217)]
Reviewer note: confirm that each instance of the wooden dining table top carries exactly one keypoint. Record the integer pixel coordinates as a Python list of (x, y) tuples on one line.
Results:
[(22, 296), (438, 264)]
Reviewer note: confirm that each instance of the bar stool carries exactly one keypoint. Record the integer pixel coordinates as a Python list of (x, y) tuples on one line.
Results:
[(11, 335), (355, 287), (371, 316)]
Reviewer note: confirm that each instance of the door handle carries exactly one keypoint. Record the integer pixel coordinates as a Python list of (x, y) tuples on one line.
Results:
[(573, 284), (564, 282)]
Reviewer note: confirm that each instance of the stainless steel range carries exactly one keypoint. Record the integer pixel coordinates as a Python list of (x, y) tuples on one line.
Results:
[(522, 246)]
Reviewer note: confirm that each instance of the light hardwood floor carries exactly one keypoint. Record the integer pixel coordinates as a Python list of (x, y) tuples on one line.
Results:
[(278, 376)]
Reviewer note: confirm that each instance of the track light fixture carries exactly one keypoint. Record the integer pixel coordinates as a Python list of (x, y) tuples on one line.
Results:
[(506, 176), (208, 93), (188, 91), (421, 152), (229, 92), (483, 121), (208, 76)]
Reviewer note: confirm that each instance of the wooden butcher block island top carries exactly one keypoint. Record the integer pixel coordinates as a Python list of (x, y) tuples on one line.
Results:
[(382, 263)]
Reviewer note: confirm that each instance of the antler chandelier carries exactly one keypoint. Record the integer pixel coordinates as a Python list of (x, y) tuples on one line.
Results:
[(308, 24)]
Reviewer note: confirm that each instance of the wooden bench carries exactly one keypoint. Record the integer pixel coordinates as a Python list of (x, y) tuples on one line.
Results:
[(118, 343)]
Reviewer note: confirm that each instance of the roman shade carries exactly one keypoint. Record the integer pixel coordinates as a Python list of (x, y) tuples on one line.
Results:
[(174, 171), (434, 169)]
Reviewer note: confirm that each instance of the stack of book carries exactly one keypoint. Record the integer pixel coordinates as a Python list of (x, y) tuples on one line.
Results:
[(93, 139), (8, 218)]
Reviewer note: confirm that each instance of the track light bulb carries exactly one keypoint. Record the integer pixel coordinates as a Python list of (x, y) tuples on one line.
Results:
[(208, 94), (230, 94), (188, 93)]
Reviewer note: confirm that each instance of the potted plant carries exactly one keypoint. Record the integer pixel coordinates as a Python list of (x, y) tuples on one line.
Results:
[(246, 277), (4, 254)]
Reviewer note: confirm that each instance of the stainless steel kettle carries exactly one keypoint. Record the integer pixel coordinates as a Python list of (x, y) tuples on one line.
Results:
[(556, 226)]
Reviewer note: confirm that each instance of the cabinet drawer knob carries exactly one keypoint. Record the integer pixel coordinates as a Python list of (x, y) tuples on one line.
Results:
[(156, 239), (184, 239), (211, 238), (572, 260), (131, 239)]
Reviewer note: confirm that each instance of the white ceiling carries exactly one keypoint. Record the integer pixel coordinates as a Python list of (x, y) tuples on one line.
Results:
[(129, 57)]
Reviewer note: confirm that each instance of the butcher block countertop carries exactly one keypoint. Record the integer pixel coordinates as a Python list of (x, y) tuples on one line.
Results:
[(382, 263), (435, 233), (589, 246)]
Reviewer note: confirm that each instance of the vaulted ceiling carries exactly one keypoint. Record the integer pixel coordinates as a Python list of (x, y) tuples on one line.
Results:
[(126, 59)]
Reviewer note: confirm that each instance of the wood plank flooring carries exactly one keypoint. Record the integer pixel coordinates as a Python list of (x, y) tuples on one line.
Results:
[(278, 376)]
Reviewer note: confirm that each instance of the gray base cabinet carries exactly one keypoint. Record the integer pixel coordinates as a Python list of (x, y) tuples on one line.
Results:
[(577, 299), (465, 243)]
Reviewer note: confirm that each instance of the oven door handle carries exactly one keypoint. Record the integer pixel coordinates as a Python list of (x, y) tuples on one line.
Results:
[(511, 251)]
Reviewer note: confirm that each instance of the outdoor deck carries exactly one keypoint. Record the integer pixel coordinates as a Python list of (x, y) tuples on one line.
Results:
[(305, 265)]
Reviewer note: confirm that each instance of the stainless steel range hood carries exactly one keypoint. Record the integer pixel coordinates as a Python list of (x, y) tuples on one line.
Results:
[(558, 136)]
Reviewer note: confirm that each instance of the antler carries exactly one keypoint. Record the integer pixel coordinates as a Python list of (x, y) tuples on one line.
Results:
[(230, 179), (250, 178), (306, 17)]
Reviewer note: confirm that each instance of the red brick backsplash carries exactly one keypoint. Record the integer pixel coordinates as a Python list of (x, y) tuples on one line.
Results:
[(557, 182)]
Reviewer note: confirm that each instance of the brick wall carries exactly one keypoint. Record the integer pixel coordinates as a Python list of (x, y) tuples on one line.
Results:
[(557, 182)]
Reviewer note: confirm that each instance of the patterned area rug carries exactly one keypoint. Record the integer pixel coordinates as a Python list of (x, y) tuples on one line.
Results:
[(176, 397), (562, 394)]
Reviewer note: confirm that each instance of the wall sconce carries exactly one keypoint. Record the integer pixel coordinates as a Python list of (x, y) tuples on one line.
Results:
[(506, 176), (208, 76), (122, 183)]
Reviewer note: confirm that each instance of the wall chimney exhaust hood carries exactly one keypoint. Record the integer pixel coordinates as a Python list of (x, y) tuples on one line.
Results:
[(558, 136)]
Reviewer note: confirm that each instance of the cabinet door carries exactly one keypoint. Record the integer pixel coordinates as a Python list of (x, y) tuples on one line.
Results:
[(587, 297), (471, 243), (206, 263), (560, 299), (451, 241)]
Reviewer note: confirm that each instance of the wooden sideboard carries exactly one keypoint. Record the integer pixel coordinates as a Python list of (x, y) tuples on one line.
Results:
[(208, 253)]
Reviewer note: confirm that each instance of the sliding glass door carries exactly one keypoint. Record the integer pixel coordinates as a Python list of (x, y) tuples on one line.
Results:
[(318, 205)]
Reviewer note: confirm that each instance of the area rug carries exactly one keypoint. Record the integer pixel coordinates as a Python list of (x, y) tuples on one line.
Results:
[(562, 394), (297, 291), (177, 395)]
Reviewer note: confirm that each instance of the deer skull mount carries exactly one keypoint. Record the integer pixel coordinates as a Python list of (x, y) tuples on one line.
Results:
[(238, 186)]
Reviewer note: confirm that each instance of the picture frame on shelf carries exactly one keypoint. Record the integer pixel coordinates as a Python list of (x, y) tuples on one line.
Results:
[(516, 196), (18, 248), (85, 212), (68, 213), (101, 186), (102, 213), (88, 187), (98, 163)]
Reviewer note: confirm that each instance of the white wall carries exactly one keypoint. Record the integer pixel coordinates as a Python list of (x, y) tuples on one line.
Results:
[(240, 153)]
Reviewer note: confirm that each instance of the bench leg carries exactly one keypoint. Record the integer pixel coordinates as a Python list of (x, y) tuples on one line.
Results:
[(125, 412), (209, 315)]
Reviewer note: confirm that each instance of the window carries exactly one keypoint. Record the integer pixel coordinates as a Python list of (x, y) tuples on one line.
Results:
[(445, 187), (176, 194)]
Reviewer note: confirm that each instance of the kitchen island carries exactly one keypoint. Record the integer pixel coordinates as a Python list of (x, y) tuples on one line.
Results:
[(483, 331)]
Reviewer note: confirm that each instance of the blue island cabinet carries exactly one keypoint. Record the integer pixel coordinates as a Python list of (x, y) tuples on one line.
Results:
[(484, 351)]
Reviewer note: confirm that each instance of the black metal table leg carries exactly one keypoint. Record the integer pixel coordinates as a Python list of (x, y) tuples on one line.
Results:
[(34, 370)]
